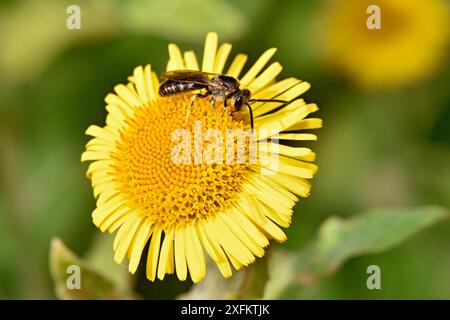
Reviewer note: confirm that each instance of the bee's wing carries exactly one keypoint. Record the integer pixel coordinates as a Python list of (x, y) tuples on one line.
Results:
[(191, 76), (180, 75)]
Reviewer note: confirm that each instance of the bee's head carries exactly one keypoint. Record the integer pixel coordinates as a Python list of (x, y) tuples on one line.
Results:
[(240, 98)]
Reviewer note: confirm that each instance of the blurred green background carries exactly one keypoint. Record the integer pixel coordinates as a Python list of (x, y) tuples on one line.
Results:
[(379, 148)]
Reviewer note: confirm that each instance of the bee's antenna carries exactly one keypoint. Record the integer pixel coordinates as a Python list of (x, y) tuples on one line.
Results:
[(251, 114), (267, 100)]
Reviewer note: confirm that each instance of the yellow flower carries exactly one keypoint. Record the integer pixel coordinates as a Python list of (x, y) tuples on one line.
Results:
[(228, 210), (410, 45)]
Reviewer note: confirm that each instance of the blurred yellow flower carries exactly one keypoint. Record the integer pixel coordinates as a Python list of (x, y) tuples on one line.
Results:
[(229, 210), (410, 45)]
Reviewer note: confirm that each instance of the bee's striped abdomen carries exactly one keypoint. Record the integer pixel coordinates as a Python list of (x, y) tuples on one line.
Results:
[(171, 87)]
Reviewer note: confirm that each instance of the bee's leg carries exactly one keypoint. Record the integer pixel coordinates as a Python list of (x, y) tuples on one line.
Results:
[(191, 104), (250, 110), (188, 113), (212, 101)]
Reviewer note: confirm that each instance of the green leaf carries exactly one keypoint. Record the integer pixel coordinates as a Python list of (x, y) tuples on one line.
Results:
[(101, 258), (93, 285), (340, 239)]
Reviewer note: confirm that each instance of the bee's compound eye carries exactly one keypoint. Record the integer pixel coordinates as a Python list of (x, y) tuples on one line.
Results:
[(238, 101)]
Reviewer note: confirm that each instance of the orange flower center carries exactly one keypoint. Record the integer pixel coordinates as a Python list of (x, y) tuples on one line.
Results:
[(165, 162)]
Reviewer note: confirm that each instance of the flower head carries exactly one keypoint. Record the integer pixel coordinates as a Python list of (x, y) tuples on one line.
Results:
[(408, 45), (184, 208)]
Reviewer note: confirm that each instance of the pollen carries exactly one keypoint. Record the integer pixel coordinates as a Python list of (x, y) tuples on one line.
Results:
[(169, 193)]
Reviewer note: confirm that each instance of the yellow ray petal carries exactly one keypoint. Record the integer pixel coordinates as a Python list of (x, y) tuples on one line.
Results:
[(191, 60), (279, 219), (118, 223), (237, 65), (180, 255), (130, 86), (257, 67), (139, 242), (155, 83), (232, 243), (275, 232), (306, 124), (127, 95), (113, 121), (274, 90), (236, 264), (280, 120), (265, 184), (295, 152), (232, 248), (102, 212), (164, 258), (265, 77), (171, 65), (300, 104), (240, 233), (263, 203), (114, 218), (246, 205), (210, 249), (170, 268), (221, 58), (116, 112), (98, 144), (123, 231), (101, 166), (103, 178), (95, 155), (149, 82), (288, 95), (295, 91), (287, 166), (250, 227), (125, 241), (124, 106), (209, 53), (140, 83), (294, 184), (96, 131), (153, 253), (176, 57), (296, 136), (214, 250), (194, 255)]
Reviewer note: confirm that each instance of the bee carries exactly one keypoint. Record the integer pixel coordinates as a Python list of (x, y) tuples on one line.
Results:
[(218, 87)]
